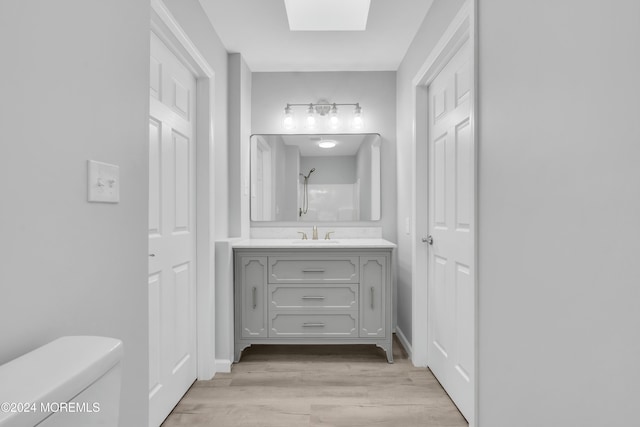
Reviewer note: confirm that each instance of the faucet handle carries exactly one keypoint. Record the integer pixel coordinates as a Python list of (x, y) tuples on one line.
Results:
[(304, 235), (328, 235)]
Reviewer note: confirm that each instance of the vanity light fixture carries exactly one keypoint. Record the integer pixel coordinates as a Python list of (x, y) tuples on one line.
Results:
[(310, 121), (288, 122), (316, 113), (357, 122), (334, 121)]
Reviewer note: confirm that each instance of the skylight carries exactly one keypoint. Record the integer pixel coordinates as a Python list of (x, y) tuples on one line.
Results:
[(327, 15)]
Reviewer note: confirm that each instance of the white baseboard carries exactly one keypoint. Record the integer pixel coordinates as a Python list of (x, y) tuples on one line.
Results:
[(223, 366), (404, 341)]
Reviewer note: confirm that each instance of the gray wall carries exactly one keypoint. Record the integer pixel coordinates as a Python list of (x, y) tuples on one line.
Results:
[(75, 79), (239, 136), (376, 93), (559, 237), (434, 25)]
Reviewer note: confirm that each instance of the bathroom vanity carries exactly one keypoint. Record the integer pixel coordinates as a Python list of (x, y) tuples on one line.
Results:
[(313, 292)]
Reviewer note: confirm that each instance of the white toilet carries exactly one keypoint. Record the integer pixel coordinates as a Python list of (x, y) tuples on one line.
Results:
[(70, 382)]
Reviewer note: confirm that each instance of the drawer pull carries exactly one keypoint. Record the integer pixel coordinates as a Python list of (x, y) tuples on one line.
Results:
[(313, 325), (372, 297), (253, 293), (313, 270), (313, 297)]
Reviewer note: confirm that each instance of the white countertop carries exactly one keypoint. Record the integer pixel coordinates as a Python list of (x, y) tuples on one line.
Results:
[(336, 243)]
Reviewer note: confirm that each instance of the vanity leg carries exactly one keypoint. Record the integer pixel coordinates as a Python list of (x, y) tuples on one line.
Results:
[(388, 349), (238, 351)]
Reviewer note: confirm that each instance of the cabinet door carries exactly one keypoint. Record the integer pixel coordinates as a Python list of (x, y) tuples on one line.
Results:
[(253, 288), (373, 274)]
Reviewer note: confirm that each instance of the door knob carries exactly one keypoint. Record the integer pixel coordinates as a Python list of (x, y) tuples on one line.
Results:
[(428, 239)]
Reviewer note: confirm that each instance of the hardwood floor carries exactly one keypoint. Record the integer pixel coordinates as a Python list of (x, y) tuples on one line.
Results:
[(350, 386)]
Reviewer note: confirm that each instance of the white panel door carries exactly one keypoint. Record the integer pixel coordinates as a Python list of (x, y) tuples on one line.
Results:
[(451, 225), (172, 242)]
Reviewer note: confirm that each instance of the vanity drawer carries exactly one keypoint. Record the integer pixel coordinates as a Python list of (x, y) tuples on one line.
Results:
[(329, 325), (295, 296), (316, 270)]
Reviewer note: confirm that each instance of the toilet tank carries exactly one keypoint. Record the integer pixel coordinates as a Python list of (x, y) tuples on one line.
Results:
[(70, 382)]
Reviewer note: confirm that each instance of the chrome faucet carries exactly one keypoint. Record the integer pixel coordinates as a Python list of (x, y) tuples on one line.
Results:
[(315, 232)]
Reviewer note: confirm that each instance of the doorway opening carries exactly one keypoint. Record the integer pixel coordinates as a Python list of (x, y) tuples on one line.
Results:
[(444, 277), (181, 125)]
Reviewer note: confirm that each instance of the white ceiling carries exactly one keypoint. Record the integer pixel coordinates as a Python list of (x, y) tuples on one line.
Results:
[(259, 30)]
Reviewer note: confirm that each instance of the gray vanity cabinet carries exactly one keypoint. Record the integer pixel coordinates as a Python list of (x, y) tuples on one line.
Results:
[(253, 277), (313, 296), (372, 297)]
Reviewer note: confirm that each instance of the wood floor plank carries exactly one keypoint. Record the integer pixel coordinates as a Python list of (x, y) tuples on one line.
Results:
[(368, 415), (351, 385)]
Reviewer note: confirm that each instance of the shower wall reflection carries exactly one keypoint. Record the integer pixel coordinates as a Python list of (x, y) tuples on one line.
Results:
[(294, 179)]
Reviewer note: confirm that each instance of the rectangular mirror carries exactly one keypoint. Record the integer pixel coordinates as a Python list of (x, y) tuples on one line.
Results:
[(315, 178)]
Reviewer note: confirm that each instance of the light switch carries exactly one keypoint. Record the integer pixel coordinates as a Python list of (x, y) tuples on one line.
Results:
[(103, 182)]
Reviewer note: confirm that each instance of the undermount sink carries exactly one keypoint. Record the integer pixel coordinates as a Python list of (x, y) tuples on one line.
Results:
[(315, 242)]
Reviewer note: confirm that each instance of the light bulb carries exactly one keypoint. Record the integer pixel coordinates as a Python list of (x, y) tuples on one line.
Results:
[(287, 122), (311, 117), (334, 122), (311, 121), (357, 122)]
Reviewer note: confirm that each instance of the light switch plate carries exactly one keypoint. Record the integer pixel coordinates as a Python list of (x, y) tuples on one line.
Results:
[(103, 182)]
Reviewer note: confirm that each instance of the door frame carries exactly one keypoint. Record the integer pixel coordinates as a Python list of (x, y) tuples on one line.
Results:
[(165, 26), (461, 29)]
